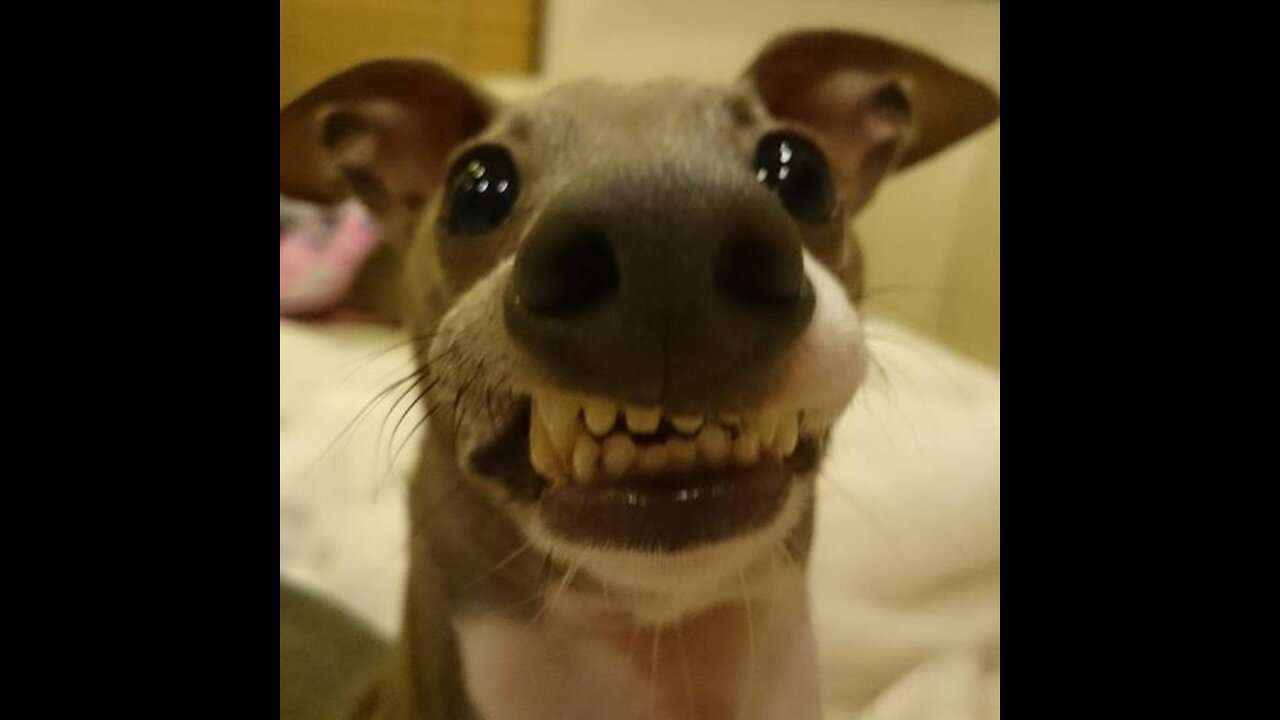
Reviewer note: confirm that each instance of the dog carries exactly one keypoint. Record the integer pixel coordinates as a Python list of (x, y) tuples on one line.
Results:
[(633, 312)]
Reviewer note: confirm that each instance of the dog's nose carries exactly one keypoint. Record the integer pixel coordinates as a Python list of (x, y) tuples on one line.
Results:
[(661, 285)]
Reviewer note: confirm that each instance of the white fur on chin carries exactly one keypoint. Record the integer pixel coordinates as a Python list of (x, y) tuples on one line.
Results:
[(658, 588)]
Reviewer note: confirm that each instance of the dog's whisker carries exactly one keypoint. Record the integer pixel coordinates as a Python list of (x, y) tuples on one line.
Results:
[(395, 431), (422, 374), (881, 426), (458, 407), (488, 403), (363, 414), (537, 595), (422, 421), (565, 582), (907, 343), (499, 384), (565, 579), (385, 418), (409, 367), (895, 401), (501, 564), (878, 366), (352, 424), (544, 574), (870, 292), (873, 294), (420, 524), (366, 360)]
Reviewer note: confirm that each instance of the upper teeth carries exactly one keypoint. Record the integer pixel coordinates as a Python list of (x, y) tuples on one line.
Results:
[(581, 438)]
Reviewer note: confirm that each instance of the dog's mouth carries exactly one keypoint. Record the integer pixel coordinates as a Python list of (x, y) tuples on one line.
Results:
[(611, 475)]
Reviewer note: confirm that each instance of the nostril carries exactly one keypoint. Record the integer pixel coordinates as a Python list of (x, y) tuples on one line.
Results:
[(753, 268), (566, 274)]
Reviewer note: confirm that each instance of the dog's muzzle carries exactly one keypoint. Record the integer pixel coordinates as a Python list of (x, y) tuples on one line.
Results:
[(662, 307)]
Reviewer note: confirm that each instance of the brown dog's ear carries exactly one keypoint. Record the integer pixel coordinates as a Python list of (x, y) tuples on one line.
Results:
[(875, 105), (380, 130)]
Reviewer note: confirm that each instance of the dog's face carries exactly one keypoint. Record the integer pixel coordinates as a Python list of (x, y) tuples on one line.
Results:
[(634, 307)]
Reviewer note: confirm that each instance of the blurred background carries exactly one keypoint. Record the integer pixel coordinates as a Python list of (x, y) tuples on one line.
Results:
[(932, 235)]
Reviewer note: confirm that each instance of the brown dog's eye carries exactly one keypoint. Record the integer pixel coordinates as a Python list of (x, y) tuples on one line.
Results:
[(482, 189), (796, 170)]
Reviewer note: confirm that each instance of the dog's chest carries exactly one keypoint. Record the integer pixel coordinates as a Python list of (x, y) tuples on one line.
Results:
[(730, 663)]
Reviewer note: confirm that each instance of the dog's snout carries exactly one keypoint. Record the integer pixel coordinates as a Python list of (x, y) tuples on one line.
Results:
[(661, 285), (565, 270), (754, 267)]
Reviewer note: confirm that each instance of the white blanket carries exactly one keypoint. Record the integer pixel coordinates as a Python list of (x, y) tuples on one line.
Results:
[(906, 569)]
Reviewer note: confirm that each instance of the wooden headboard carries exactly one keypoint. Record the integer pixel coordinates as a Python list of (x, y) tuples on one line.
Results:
[(321, 37)]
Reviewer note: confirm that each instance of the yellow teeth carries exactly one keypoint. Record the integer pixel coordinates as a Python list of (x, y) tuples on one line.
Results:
[(561, 420), (574, 438), (586, 459), (683, 454), (746, 449), (619, 453), (600, 416), (714, 445), (643, 421), (652, 459), (543, 455), (686, 424)]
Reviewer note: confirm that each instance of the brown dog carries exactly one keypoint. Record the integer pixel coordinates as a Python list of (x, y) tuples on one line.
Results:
[(633, 313)]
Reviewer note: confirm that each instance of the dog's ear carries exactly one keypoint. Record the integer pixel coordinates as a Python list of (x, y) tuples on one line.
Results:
[(875, 105), (380, 131)]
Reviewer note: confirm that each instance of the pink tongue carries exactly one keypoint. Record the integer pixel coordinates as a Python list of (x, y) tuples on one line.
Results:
[(319, 262)]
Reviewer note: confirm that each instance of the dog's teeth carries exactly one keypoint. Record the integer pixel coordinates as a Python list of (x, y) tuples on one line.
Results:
[(559, 449), (714, 445), (686, 424), (600, 416), (766, 426), (586, 459), (643, 421), (619, 453), (788, 433), (746, 449), (560, 413), (542, 454), (652, 458), (682, 454)]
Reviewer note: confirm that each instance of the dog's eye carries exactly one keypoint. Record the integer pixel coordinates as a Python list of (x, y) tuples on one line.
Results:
[(482, 188), (792, 167)]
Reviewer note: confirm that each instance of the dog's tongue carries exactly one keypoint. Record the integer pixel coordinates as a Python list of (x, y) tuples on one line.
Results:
[(320, 259)]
